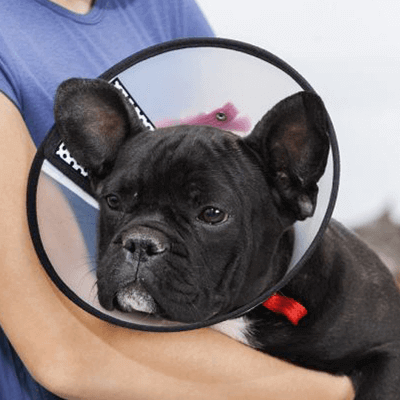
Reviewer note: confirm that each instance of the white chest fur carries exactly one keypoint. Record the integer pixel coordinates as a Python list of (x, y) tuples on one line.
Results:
[(238, 329)]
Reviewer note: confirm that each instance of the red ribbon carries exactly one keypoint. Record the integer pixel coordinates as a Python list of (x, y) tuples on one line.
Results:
[(290, 308)]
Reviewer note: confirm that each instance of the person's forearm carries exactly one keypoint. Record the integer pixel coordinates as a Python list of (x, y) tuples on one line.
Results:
[(78, 356), (201, 365)]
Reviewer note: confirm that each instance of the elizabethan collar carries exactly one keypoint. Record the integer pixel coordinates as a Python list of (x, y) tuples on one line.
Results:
[(217, 82)]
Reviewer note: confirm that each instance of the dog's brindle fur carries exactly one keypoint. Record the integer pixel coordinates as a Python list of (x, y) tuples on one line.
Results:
[(195, 221)]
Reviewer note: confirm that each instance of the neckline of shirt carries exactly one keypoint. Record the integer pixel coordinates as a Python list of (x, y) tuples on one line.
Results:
[(92, 17)]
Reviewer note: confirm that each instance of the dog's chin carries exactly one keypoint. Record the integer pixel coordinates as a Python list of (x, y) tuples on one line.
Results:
[(135, 298)]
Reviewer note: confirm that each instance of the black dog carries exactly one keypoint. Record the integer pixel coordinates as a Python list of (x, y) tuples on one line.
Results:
[(195, 221)]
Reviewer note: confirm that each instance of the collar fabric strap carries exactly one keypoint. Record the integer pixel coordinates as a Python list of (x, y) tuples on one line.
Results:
[(290, 308)]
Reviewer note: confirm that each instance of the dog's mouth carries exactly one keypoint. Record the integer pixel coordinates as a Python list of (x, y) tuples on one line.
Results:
[(134, 297)]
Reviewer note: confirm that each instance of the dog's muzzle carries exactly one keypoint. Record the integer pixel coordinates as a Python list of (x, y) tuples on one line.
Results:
[(141, 247)]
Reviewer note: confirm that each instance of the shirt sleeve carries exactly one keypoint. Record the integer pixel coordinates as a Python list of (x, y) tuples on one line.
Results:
[(194, 23), (175, 19), (8, 80), (15, 380)]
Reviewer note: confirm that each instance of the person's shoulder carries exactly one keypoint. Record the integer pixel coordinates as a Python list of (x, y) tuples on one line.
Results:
[(14, 15), (13, 9), (9, 13)]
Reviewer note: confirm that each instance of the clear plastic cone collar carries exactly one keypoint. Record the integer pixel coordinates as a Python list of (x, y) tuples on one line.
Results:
[(222, 83)]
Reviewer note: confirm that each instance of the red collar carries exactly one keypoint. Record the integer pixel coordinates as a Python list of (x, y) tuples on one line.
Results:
[(290, 308)]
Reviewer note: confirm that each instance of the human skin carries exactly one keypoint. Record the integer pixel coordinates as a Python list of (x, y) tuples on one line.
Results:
[(76, 6)]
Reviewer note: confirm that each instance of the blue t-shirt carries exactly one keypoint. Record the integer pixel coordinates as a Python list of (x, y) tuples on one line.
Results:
[(42, 44)]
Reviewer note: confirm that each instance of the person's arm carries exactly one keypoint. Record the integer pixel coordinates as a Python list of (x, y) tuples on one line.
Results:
[(78, 356)]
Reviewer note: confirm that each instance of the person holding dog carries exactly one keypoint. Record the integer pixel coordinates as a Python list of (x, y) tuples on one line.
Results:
[(50, 347)]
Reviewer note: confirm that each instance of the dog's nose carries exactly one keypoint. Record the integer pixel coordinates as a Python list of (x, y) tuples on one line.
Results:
[(144, 241)]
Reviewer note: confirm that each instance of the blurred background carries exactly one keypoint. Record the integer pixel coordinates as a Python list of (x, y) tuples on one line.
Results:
[(349, 51)]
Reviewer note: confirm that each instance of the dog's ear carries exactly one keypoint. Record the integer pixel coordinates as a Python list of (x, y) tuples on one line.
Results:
[(94, 119), (293, 144)]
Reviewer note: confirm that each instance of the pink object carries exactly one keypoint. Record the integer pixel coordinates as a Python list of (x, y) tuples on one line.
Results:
[(225, 117)]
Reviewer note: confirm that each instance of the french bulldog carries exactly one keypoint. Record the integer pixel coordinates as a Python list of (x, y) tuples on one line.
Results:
[(196, 221)]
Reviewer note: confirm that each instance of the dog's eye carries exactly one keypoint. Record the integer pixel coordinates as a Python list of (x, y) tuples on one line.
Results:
[(113, 201), (212, 215)]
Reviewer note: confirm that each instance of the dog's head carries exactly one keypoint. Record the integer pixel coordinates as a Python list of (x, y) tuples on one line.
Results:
[(192, 217)]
